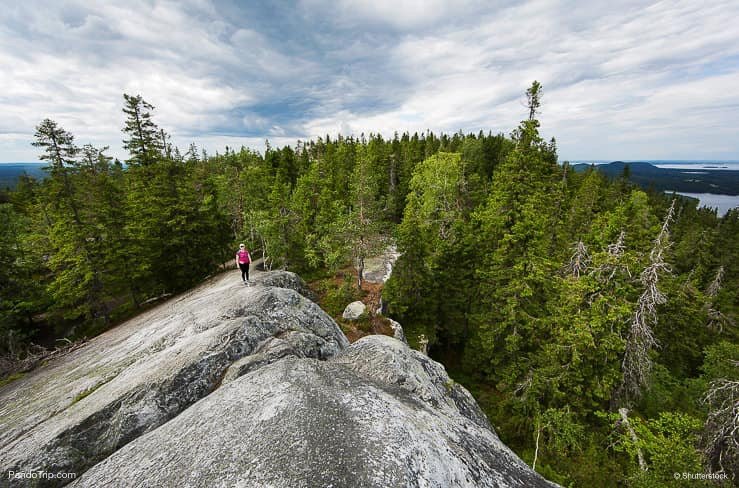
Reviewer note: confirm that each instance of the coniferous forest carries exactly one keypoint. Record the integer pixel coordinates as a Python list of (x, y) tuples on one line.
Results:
[(594, 322)]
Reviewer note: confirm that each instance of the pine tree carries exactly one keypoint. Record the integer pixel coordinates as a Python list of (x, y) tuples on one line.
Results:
[(57, 145), (363, 229), (146, 141)]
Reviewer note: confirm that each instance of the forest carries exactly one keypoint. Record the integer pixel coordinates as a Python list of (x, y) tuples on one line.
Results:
[(593, 321), (724, 182)]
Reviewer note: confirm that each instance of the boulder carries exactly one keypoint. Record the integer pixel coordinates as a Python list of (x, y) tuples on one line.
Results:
[(285, 279), (77, 410), (376, 415), (354, 310)]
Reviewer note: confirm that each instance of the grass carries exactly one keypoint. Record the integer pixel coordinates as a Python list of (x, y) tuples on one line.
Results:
[(86, 393), (11, 378)]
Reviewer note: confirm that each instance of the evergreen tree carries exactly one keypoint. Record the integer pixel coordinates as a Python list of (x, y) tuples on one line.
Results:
[(77, 287), (21, 293), (145, 141), (514, 265), (364, 232)]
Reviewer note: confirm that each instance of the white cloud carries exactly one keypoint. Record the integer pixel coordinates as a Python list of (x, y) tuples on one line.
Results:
[(398, 14), (619, 82), (254, 122), (625, 81)]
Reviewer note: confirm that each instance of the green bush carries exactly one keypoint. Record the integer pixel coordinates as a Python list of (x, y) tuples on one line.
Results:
[(336, 298)]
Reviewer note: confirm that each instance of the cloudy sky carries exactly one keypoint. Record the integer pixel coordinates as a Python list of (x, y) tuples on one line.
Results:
[(622, 79)]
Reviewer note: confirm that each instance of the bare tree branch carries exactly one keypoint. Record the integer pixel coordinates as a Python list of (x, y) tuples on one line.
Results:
[(721, 431), (637, 365), (716, 319), (579, 261), (715, 285)]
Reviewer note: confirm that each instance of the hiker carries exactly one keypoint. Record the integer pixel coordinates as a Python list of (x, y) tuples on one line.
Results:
[(242, 261)]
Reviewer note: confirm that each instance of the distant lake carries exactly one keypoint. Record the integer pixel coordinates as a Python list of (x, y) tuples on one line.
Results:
[(691, 165), (722, 202)]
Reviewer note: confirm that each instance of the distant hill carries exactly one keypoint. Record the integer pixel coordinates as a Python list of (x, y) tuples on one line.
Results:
[(689, 180), (9, 173)]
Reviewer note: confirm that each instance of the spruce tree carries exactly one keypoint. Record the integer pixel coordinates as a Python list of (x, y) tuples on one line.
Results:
[(514, 265), (145, 141), (78, 288)]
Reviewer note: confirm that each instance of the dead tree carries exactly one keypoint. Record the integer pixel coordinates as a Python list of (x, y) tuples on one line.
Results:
[(606, 271), (720, 442), (637, 365), (617, 248), (716, 319), (624, 412), (715, 285), (580, 260)]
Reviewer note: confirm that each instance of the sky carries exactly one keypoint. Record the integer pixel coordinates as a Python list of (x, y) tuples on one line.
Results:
[(621, 79)]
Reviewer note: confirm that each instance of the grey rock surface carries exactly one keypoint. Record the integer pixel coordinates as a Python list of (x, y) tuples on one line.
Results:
[(376, 415), (235, 386), (354, 310), (289, 344), (284, 279), (377, 269), (398, 331), (75, 411)]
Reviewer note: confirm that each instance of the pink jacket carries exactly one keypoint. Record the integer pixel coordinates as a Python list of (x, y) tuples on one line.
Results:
[(243, 257)]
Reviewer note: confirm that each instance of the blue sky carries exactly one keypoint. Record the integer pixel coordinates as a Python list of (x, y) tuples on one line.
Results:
[(622, 80)]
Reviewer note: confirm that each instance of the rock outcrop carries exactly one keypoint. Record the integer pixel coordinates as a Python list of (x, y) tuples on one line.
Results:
[(249, 386), (377, 415), (377, 269), (398, 331), (71, 414), (354, 310)]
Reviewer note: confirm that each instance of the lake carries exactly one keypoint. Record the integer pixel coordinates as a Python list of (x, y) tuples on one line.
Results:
[(713, 164), (9, 172), (722, 202), (697, 165)]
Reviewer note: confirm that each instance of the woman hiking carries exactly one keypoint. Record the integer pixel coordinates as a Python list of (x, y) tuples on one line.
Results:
[(242, 261)]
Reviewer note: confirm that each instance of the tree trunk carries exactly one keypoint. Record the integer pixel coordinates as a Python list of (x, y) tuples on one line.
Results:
[(536, 450), (360, 272), (625, 420)]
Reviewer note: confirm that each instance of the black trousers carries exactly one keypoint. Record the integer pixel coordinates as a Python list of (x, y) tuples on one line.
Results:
[(244, 271)]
